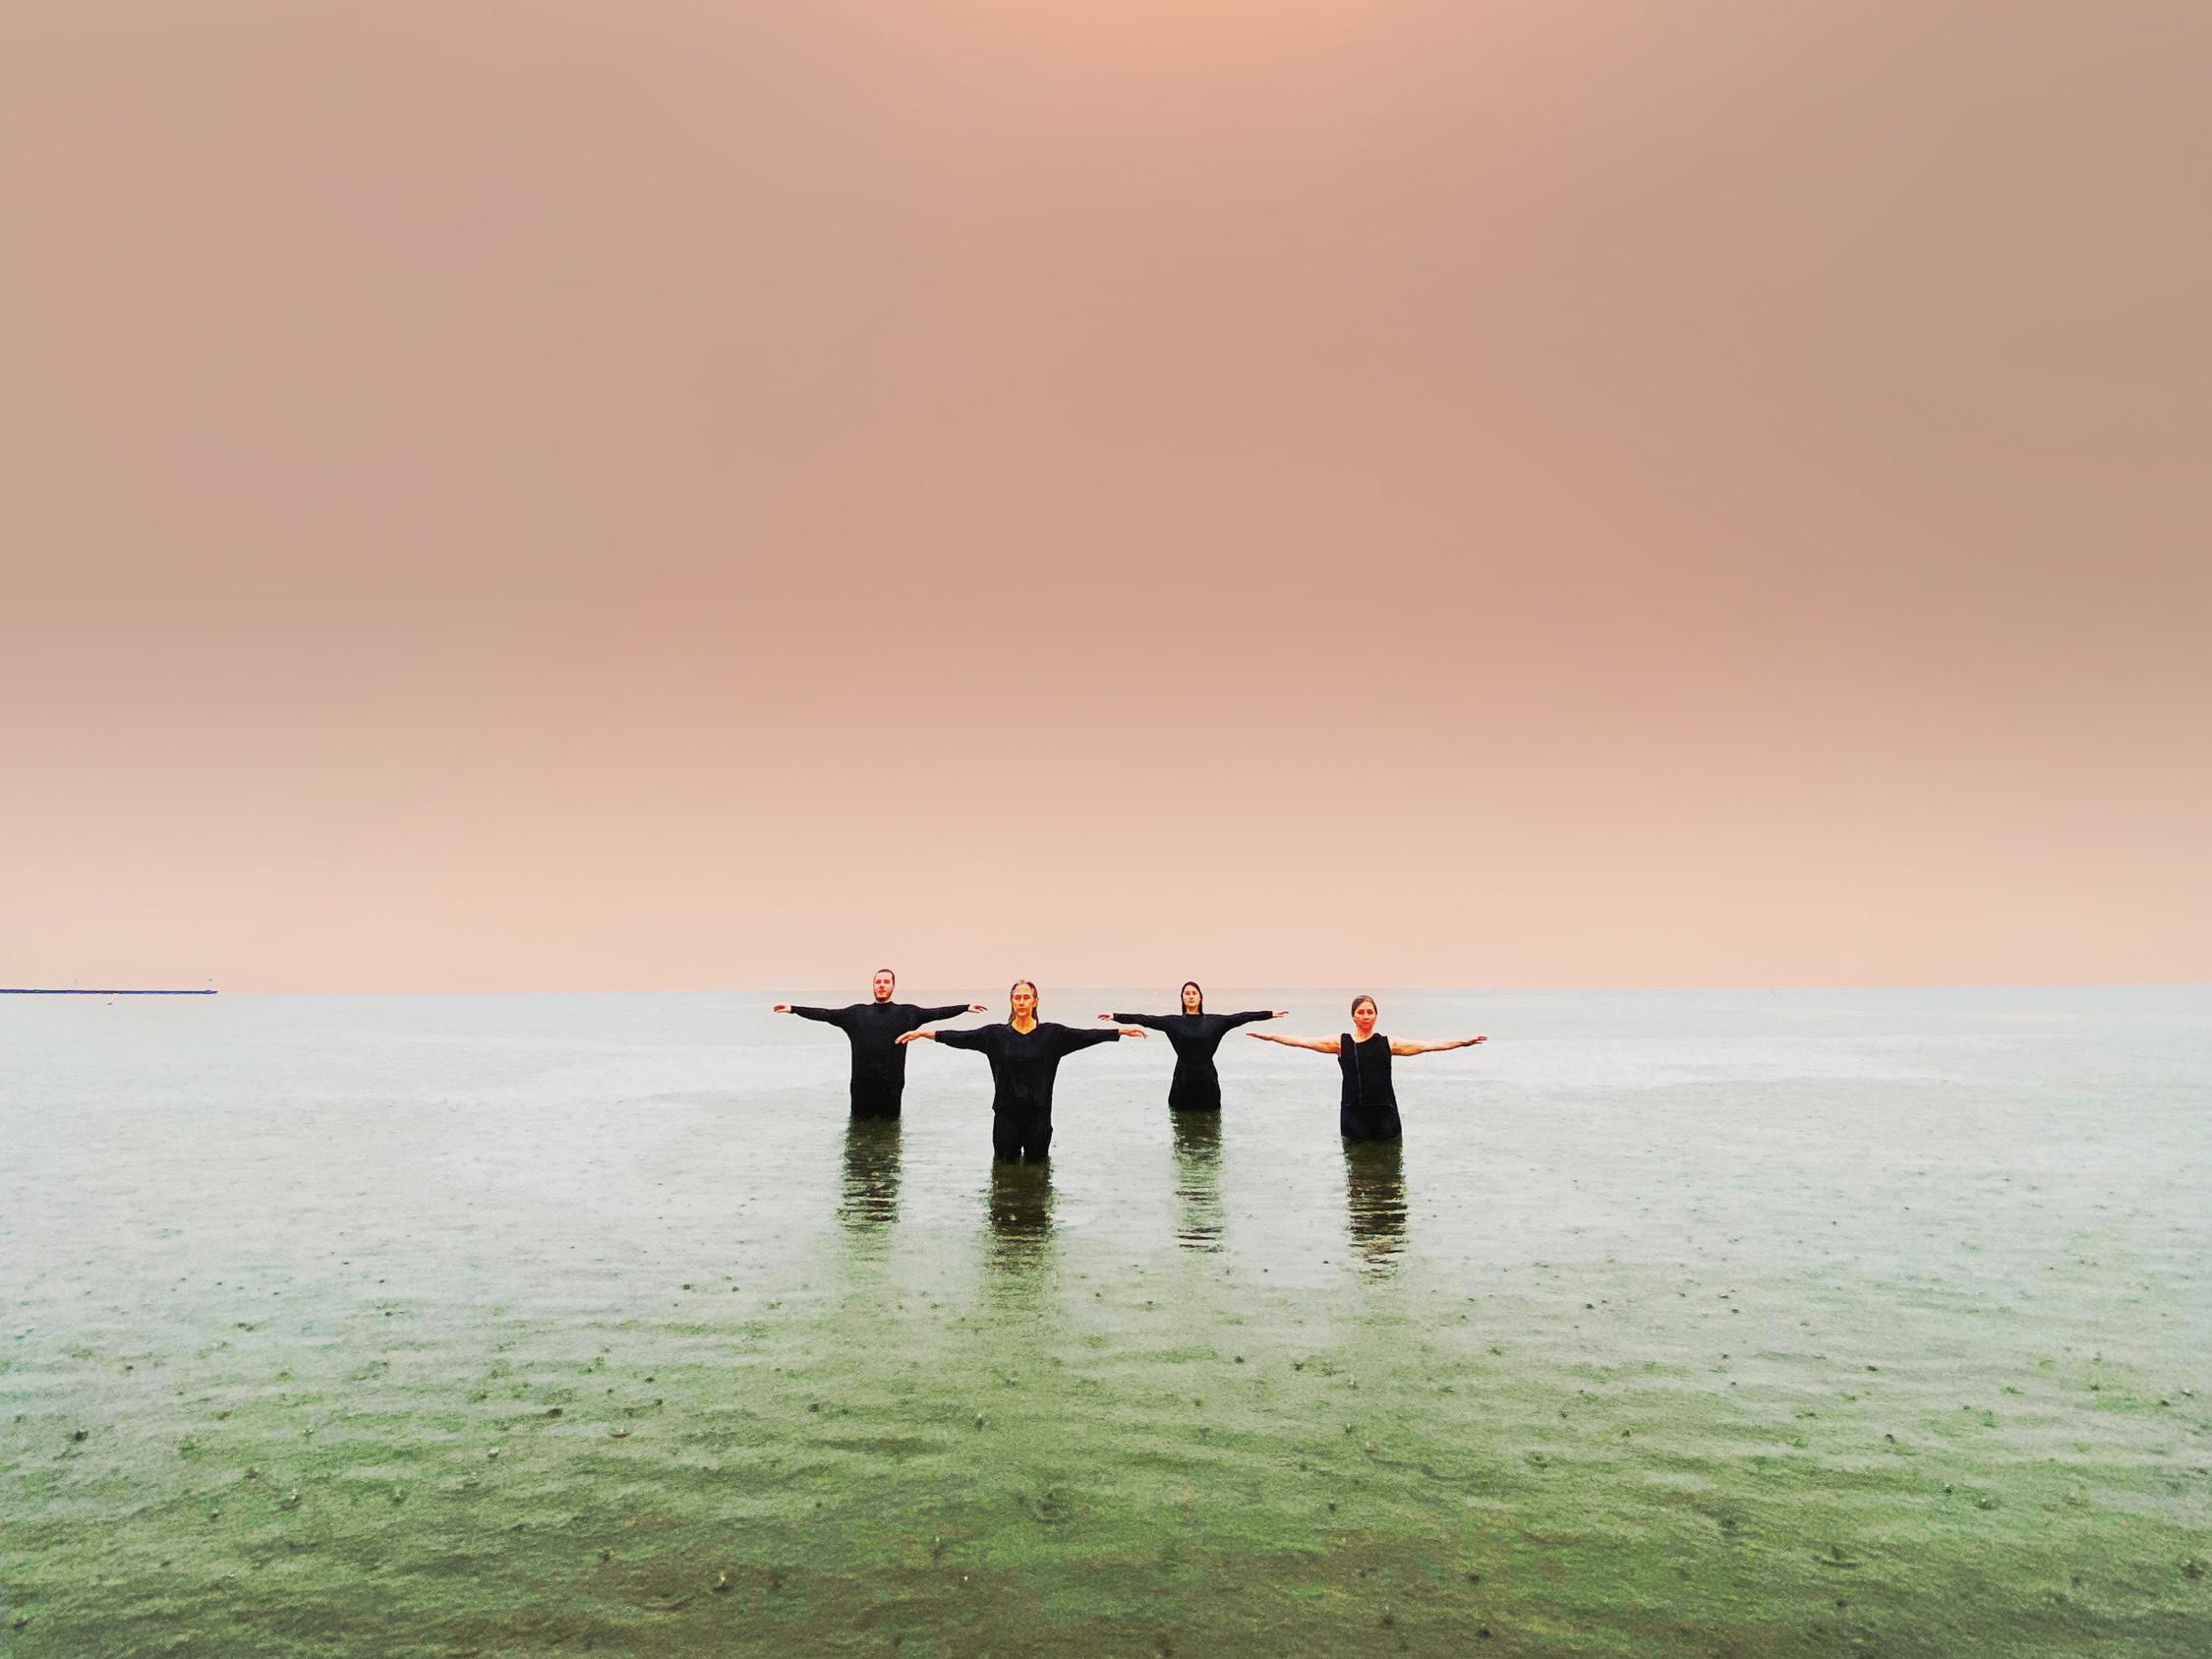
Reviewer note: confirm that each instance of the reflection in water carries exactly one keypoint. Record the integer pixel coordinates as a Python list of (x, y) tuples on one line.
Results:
[(870, 1202), (1020, 1212), (1374, 1201), (1198, 1178)]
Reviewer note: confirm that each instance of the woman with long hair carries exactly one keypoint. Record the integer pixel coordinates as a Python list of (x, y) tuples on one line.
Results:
[(1024, 1054), (1367, 1107), (1195, 1034)]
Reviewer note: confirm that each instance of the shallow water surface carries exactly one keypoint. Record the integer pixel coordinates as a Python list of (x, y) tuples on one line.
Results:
[(1734, 1322)]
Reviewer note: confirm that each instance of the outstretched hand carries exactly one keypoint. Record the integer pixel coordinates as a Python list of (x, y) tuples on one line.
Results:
[(1280, 1014), (1134, 1030), (912, 1036), (1107, 1017), (978, 1008), (780, 1008), (1471, 1041)]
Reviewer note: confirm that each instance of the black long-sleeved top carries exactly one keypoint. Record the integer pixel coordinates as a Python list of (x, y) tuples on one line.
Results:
[(879, 1063), (1197, 1086), (1366, 1106), (1023, 1064)]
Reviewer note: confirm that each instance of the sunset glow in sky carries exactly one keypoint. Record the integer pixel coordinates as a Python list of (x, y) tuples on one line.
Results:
[(677, 494)]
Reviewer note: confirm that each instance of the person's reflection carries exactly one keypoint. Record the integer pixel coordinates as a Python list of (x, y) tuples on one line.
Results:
[(1198, 1178), (1020, 1212), (870, 1202), (1375, 1202)]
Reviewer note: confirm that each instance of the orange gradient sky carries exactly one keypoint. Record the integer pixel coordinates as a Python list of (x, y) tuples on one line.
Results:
[(558, 495)]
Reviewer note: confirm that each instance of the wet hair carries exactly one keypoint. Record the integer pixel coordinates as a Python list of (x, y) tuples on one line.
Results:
[(1018, 984), (1369, 1001), (1193, 985)]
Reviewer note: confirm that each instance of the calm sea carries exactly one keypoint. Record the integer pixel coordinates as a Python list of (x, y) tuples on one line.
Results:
[(1754, 1322)]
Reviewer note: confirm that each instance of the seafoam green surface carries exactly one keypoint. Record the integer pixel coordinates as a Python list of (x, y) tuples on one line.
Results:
[(1728, 1324)]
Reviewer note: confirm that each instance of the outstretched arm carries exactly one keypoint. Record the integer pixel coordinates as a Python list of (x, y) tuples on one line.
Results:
[(1232, 1021), (951, 1040), (1436, 1047), (952, 1010), (1320, 1044), (1076, 1040), (828, 1016), (1157, 1022)]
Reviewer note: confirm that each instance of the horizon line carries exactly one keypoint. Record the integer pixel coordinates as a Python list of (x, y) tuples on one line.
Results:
[(1332, 989), (113, 991)]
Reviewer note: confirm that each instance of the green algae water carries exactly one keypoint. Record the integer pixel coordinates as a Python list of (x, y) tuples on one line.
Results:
[(1716, 1322)]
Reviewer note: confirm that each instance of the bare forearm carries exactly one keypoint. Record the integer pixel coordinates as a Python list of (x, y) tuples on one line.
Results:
[(1408, 1049)]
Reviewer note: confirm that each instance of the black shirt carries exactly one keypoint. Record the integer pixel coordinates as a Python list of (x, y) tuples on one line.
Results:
[(1023, 1064), (1197, 1086), (879, 1063), (1367, 1107)]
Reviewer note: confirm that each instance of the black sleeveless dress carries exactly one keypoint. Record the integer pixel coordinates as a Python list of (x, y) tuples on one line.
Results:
[(1368, 1109)]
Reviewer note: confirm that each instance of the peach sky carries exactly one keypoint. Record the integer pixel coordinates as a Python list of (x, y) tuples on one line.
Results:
[(670, 493)]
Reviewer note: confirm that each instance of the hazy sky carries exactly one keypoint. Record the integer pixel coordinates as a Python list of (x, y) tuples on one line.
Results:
[(674, 494)]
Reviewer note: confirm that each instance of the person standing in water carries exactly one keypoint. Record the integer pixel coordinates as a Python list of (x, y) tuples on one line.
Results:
[(1024, 1054), (1367, 1108), (874, 1028), (1196, 1034)]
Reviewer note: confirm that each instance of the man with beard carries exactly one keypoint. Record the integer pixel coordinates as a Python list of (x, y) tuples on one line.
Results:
[(874, 1028)]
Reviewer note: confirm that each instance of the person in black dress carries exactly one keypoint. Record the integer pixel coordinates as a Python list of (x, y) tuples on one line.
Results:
[(1196, 1034), (1367, 1107), (878, 1064), (1024, 1054)]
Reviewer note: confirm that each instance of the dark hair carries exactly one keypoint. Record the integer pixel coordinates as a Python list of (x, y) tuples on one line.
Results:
[(1193, 985), (884, 970), (1369, 1001), (1018, 984)]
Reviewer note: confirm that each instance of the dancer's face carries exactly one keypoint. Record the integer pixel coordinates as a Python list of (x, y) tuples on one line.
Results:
[(885, 982), (1193, 999), (1362, 1018), (1024, 1002)]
